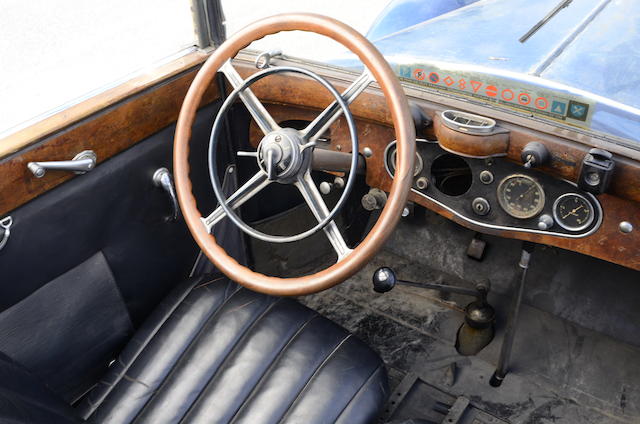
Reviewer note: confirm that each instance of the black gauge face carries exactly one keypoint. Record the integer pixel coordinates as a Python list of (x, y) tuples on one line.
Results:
[(573, 212), (521, 196)]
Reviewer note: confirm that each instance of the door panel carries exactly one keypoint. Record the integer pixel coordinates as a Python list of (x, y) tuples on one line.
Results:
[(114, 213)]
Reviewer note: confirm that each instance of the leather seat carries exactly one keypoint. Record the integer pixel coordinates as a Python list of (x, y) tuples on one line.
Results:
[(217, 353)]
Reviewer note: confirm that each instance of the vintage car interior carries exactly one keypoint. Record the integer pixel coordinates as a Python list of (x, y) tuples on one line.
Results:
[(240, 235)]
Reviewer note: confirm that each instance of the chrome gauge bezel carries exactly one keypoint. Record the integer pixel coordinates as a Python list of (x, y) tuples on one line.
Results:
[(418, 164), (558, 221), (505, 208)]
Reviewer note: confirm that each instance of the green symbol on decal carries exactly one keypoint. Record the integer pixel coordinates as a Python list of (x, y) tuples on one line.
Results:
[(558, 107)]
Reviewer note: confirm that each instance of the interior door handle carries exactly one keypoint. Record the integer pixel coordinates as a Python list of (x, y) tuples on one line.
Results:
[(82, 163), (162, 178), (5, 224)]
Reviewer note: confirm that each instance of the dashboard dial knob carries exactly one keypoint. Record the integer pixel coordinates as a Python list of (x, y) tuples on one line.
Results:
[(545, 222)]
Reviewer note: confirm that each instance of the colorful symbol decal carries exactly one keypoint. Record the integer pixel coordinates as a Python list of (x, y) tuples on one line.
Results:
[(578, 110), (462, 84), (524, 99), (419, 74), (542, 103), (507, 94), (434, 77), (476, 86), (558, 107), (449, 81), (492, 91)]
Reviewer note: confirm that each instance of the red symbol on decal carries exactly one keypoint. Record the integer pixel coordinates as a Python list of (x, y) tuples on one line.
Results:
[(462, 84), (449, 81), (507, 94), (492, 91), (542, 103), (434, 77), (476, 86), (419, 74), (524, 98)]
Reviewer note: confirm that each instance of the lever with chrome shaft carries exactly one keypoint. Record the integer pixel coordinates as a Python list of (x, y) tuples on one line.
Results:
[(82, 163), (476, 331), (162, 178)]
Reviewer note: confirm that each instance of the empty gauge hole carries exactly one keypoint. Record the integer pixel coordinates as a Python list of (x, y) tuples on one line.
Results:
[(451, 175)]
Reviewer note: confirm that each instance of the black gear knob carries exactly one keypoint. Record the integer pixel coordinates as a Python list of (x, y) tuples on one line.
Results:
[(384, 279)]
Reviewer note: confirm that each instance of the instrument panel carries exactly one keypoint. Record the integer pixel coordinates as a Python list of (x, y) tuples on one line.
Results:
[(501, 195)]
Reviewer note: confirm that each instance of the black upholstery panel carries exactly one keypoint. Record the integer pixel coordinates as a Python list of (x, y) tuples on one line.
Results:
[(80, 311), (217, 353), (25, 399)]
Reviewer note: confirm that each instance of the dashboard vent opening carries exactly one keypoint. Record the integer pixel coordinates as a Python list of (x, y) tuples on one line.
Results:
[(467, 122)]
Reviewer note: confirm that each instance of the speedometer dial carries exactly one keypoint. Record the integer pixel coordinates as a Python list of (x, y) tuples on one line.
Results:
[(521, 196)]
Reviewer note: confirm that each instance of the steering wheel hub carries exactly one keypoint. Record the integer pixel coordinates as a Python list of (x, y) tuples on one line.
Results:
[(282, 155)]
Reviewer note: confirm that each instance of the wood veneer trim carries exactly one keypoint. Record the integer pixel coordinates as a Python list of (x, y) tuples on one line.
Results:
[(107, 133)]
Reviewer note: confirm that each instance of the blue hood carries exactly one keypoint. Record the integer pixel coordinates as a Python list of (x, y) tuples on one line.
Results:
[(580, 69)]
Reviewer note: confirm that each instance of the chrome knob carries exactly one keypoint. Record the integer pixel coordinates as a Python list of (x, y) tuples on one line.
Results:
[(325, 187), (545, 222)]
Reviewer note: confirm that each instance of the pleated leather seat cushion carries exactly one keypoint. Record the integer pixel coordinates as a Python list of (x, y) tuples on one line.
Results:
[(217, 353)]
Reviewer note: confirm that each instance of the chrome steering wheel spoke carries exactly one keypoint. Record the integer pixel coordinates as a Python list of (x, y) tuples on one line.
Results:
[(328, 116), (257, 110), (237, 199), (319, 209)]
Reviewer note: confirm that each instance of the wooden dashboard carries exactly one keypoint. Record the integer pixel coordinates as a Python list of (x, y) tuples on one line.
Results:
[(147, 108), (299, 100)]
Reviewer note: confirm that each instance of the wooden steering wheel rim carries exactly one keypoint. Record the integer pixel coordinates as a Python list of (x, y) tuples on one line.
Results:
[(405, 135)]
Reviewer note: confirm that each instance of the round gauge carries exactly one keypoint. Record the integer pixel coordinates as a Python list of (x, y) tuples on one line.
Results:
[(573, 212), (521, 196), (417, 164)]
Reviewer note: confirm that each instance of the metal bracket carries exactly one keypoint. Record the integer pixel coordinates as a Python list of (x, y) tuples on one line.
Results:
[(5, 224), (263, 61)]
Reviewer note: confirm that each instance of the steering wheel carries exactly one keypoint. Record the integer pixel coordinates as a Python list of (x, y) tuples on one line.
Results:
[(285, 155)]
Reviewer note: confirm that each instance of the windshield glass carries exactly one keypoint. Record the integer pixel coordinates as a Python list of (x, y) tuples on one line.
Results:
[(578, 69)]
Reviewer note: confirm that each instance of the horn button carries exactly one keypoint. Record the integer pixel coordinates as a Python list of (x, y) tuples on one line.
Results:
[(282, 155)]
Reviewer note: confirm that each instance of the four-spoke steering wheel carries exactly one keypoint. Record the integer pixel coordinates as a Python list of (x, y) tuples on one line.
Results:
[(285, 155)]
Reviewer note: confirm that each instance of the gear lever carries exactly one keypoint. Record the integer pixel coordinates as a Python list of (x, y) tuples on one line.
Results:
[(478, 329)]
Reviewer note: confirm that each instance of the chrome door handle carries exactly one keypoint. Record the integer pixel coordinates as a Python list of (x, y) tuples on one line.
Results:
[(82, 163), (5, 224), (162, 178)]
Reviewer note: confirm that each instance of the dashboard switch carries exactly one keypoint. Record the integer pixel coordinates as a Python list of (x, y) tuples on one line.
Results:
[(486, 177), (422, 183), (534, 154), (480, 206), (545, 222)]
